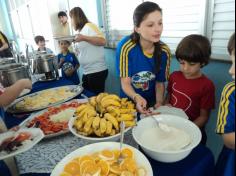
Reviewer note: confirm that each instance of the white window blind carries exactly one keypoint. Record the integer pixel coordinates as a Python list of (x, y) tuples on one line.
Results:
[(221, 26)]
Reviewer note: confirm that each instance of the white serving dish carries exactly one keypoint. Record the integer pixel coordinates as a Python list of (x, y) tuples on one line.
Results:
[(174, 121), (142, 161)]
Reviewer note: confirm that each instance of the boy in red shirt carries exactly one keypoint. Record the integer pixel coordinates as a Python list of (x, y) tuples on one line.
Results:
[(189, 89)]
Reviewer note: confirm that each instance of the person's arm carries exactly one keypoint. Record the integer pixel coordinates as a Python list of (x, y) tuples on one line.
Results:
[(98, 41), (141, 103), (229, 140), (12, 92), (202, 120), (160, 94)]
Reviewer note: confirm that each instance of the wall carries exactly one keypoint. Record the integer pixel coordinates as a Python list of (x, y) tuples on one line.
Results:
[(217, 71)]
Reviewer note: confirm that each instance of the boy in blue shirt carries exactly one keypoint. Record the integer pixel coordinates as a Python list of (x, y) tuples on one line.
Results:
[(68, 62), (226, 121)]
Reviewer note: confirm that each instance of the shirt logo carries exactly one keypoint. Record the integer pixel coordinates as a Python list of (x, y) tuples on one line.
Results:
[(142, 80)]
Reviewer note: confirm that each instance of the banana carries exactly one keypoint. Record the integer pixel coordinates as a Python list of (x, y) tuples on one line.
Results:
[(100, 109), (130, 124), (130, 105), (85, 110), (85, 118), (109, 128), (79, 124), (91, 113), (103, 126), (88, 125), (97, 132), (114, 111), (110, 102), (126, 117), (110, 97), (96, 122), (92, 101), (81, 108), (127, 111), (113, 132), (113, 120), (100, 96)]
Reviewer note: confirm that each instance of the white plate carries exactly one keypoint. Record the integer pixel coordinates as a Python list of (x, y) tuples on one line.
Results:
[(93, 139), (34, 115), (67, 38), (169, 110), (12, 108), (142, 161), (37, 136)]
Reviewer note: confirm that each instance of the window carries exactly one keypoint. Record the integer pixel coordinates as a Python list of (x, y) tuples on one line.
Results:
[(221, 26)]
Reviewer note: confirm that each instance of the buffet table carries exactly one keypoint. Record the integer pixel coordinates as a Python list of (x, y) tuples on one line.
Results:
[(42, 158)]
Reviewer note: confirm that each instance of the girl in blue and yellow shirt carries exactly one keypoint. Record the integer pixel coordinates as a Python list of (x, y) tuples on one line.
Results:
[(143, 61)]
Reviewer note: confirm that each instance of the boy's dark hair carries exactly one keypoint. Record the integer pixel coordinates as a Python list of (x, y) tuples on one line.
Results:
[(38, 39), (62, 14), (194, 48), (68, 42), (231, 44)]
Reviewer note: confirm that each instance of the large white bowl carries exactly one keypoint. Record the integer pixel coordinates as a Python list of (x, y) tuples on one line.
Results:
[(93, 139), (142, 161), (174, 121)]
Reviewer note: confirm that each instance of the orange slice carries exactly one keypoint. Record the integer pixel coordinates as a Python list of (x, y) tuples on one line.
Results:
[(129, 165), (127, 153), (92, 170), (115, 169), (105, 167), (127, 173), (86, 164), (85, 158), (106, 155), (141, 172), (116, 154), (65, 174), (72, 168)]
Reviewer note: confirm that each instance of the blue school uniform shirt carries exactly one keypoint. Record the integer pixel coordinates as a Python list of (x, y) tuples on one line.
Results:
[(132, 62), (70, 62), (225, 125)]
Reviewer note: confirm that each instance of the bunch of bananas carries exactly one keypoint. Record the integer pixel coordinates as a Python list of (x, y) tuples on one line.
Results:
[(102, 115)]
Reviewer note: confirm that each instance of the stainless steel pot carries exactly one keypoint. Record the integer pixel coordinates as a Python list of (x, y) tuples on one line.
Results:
[(11, 73), (45, 63)]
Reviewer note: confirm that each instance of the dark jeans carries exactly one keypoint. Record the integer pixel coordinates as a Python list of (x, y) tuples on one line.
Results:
[(95, 82)]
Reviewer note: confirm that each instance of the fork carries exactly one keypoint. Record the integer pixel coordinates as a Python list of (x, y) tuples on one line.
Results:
[(122, 129)]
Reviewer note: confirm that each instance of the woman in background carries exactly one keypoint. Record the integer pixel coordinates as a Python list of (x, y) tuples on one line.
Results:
[(5, 50), (89, 45)]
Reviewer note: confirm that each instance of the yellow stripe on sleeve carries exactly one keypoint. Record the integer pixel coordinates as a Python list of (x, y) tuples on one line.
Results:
[(96, 30), (124, 58), (224, 107)]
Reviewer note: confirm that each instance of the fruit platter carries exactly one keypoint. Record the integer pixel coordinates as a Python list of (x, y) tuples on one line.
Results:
[(102, 159), (100, 118), (16, 142), (44, 99), (54, 120)]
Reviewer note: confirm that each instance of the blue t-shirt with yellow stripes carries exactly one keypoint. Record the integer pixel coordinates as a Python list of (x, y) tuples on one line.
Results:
[(226, 116), (133, 62)]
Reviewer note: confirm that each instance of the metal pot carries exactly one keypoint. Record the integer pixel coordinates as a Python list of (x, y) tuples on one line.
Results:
[(11, 73), (45, 63)]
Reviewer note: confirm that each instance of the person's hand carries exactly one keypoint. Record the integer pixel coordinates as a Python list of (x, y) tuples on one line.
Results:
[(15, 128), (26, 83), (79, 38), (62, 60), (157, 105), (141, 104), (70, 72)]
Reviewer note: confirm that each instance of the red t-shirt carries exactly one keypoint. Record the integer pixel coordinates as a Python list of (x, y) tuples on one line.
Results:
[(191, 95)]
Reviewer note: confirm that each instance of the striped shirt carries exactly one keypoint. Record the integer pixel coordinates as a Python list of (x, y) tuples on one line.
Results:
[(226, 116)]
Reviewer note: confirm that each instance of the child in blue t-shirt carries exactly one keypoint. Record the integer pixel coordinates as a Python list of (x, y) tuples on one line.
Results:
[(68, 63), (226, 121)]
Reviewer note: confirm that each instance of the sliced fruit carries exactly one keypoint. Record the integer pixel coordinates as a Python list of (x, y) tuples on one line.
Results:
[(128, 165), (85, 158), (72, 168), (65, 174), (92, 170), (116, 154), (86, 164), (105, 167), (106, 155), (115, 169), (141, 172), (127, 153), (127, 173)]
